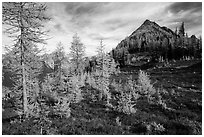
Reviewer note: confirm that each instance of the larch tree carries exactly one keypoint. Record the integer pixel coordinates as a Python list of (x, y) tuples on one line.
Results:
[(105, 62), (77, 52), (182, 30), (23, 21), (104, 68), (59, 56), (100, 55), (101, 75)]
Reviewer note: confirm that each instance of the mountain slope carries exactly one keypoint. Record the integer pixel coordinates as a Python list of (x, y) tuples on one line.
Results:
[(152, 27), (151, 41), (149, 34)]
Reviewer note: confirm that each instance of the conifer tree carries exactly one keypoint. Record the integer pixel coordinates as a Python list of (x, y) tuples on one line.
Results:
[(23, 22), (100, 79), (105, 67), (77, 52), (176, 32), (59, 56), (182, 30), (200, 47)]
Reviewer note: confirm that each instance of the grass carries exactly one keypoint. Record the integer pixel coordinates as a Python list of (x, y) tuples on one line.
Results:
[(182, 115)]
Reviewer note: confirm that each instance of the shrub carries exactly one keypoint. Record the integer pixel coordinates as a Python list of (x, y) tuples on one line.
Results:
[(118, 122), (128, 97), (154, 128), (102, 84), (147, 89), (82, 79), (75, 89), (62, 107), (48, 84), (46, 103), (117, 85), (161, 59), (132, 90), (113, 67), (195, 126), (125, 104), (144, 86), (91, 80), (7, 99), (5, 93), (159, 98)]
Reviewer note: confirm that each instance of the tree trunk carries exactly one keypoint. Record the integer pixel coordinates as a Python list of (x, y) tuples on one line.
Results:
[(25, 100)]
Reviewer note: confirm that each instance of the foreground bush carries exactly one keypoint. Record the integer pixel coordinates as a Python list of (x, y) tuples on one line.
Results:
[(129, 92), (145, 87)]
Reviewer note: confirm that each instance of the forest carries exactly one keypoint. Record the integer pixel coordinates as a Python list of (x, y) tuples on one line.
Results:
[(150, 84)]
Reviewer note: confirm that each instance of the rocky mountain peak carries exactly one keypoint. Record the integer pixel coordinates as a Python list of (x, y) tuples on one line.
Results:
[(147, 22), (150, 27)]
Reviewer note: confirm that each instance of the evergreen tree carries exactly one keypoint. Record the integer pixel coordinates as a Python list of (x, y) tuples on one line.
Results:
[(193, 45), (176, 32), (101, 76), (23, 21), (181, 30), (100, 55), (181, 34), (59, 57), (77, 52), (200, 47), (105, 67)]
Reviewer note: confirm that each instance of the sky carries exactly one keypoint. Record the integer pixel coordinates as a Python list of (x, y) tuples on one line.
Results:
[(112, 22)]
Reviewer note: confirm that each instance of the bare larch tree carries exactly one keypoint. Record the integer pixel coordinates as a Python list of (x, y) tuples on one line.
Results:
[(23, 22)]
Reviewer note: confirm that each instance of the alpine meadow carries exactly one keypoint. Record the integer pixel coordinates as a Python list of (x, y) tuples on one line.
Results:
[(102, 68)]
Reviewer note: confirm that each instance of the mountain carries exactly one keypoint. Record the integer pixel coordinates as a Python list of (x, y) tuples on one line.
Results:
[(148, 32), (150, 27), (151, 42)]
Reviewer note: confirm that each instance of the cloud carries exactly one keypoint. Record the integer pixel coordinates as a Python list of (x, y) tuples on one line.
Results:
[(188, 12), (185, 6), (59, 27), (79, 9), (97, 36), (82, 13), (114, 24), (113, 21)]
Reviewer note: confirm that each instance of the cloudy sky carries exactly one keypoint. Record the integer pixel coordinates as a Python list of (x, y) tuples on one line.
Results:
[(112, 22)]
